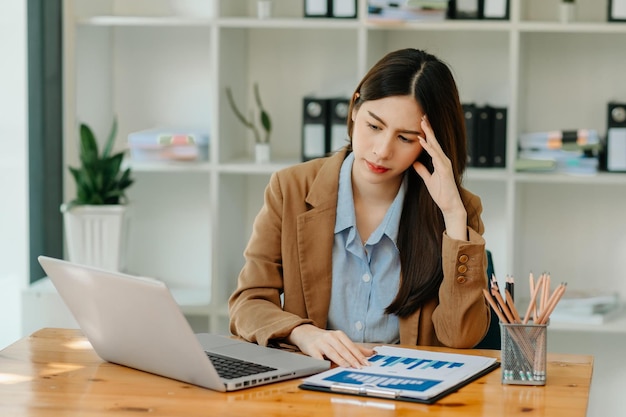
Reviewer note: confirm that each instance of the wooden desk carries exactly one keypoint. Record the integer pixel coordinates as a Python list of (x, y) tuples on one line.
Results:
[(55, 372)]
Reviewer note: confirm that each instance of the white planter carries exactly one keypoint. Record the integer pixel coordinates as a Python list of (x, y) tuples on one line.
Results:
[(264, 9), (262, 153), (97, 235), (567, 12), (192, 8)]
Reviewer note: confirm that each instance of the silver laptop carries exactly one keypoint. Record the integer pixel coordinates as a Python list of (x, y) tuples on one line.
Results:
[(135, 322)]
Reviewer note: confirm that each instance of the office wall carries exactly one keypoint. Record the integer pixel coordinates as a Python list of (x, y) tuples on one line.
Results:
[(13, 167)]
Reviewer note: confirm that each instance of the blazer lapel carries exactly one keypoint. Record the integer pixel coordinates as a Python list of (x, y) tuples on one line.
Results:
[(315, 239)]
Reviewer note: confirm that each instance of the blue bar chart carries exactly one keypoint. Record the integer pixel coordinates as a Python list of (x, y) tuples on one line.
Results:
[(412, 363)]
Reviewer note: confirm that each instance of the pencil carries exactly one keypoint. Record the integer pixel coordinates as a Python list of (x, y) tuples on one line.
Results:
[(533, 299), (511, 303), (531, 281), (503, 306), (552, 302), (493, 305)]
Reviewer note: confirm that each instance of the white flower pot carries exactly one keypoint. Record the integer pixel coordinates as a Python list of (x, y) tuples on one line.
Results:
[(264, 9), (262, 153), (567, 12), (192, 8), (97, 235)]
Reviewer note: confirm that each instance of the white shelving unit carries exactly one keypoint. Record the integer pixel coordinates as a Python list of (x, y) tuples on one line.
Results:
[(150, 65)]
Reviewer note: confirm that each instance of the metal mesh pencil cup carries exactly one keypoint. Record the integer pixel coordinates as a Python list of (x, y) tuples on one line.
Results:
[(523, 353)]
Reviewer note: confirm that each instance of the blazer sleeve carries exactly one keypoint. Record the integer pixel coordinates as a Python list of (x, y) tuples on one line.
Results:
[(462, 316), (255, 307)]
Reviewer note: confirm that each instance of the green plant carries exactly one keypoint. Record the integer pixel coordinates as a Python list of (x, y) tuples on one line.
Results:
[(264, 117), (100, 178)]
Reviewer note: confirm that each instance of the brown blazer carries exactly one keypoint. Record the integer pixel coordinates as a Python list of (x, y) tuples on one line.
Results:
[(290, 252)]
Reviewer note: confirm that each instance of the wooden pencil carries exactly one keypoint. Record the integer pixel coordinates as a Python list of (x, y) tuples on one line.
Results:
[(493, 305), (552, 302), (503, 306), (533, 300)]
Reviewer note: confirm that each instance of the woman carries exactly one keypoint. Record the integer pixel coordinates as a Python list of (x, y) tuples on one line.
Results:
[(378, 242)]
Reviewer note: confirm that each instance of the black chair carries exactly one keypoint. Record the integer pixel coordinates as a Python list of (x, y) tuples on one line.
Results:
[(492, 338)]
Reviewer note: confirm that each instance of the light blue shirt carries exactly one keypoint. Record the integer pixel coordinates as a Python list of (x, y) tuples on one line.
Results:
[(365, 278)]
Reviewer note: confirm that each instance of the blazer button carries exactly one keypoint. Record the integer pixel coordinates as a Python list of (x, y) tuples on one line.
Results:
[(463, 258), (462, 269), (460, 279)]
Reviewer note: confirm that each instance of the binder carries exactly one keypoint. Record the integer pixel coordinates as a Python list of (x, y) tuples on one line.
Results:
[(317, 8), (616, 138), (338, 128), (314, 128), (494, 9), (617, 11), (343, 9), (464, 9), (469, 113), (498, 137), (482, 143)]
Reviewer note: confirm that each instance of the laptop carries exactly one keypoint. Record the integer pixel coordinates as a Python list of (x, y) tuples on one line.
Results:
[(135, 322)]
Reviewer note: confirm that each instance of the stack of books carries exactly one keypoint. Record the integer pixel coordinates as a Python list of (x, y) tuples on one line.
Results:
[(408, 10), (587, 307), (573, 152)]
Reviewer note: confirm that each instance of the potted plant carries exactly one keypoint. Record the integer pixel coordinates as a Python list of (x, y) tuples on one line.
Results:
[(95, 221), (262, 150)]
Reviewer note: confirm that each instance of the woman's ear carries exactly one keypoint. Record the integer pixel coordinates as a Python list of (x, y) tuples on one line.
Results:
[(354, 105)]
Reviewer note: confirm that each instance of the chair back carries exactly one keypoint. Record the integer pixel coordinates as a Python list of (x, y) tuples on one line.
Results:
[(492, 338)]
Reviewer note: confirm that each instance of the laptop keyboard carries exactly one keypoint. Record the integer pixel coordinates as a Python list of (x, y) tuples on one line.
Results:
[(231, 368)]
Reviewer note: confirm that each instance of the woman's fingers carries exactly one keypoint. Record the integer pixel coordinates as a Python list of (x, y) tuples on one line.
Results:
[(335, 345)]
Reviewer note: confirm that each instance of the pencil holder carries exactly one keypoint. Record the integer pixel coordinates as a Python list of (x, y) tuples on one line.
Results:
[(523, 359)]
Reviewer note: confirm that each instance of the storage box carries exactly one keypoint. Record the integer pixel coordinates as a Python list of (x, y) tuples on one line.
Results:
[(169, 144)]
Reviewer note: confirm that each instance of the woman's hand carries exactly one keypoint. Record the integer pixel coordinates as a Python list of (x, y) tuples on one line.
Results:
[(331, 344), (441, 184)]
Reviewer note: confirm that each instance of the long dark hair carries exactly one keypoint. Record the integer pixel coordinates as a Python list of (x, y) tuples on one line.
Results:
[(429, 80)]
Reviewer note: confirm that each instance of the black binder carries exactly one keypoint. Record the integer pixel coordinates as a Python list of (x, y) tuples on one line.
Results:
[(469, 113), (616, 137), (337, 120), (498, 137), (482, 144), (314, 128)]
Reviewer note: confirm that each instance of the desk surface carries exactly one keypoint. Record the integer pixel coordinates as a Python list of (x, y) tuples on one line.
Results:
[(55, 372)]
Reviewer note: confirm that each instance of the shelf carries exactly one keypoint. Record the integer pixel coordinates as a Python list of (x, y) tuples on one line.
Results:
[(144, 21), (446, 25), (287, 23), (486, 174), (347, 24), (133, 60), (557, 178), (168, 166), (574, 27), (247, 166), (193, 301), (616, 325)]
